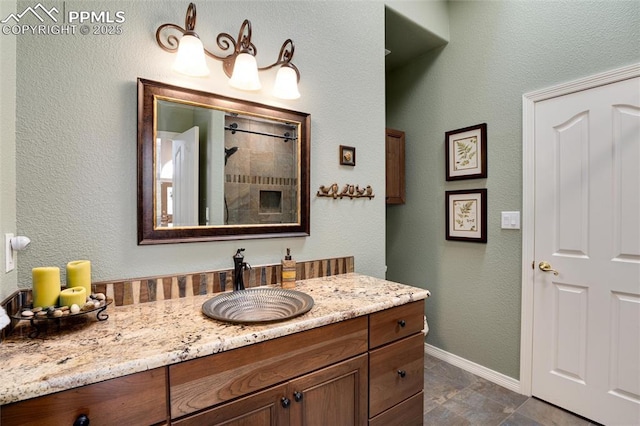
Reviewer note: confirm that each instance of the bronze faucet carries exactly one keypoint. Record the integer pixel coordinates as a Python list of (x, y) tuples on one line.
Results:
[(239, 266)]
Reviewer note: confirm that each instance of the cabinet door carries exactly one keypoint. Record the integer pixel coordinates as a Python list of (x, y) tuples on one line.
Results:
[(395, 169), (264, 408), (336, 395)]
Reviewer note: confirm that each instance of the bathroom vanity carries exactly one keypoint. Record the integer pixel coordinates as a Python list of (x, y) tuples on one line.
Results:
[(355, 358)]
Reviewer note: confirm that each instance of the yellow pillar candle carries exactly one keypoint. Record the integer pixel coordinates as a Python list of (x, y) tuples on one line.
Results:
[(79, 274), (69, 296), (46, 286)]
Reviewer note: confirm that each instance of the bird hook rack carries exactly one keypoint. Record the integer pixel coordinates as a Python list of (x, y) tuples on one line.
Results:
[(348, 191)]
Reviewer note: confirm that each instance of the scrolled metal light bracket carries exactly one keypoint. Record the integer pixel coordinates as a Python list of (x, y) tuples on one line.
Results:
[(168, 40)]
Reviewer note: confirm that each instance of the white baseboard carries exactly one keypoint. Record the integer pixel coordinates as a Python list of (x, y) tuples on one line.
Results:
[(477, 369)]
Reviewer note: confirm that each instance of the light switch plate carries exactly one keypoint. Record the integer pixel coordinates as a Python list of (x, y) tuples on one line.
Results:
[(8, 253), (510, 220)]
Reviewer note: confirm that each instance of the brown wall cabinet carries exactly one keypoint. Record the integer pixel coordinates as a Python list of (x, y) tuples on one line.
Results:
[(395, 167)]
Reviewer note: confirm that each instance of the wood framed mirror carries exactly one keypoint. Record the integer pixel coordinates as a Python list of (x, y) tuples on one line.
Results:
[(217, 168)]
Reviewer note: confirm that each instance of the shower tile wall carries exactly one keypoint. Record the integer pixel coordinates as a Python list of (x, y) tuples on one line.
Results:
[(260, 179)]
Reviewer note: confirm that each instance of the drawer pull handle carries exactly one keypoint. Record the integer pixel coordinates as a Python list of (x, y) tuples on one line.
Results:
[(297, 396), (402, 323), (402, 373), (82, 420), (285, 402)]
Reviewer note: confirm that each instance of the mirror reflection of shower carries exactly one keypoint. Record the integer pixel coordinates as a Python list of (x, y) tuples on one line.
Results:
[(286, 136), (228, 152), (260, 182)]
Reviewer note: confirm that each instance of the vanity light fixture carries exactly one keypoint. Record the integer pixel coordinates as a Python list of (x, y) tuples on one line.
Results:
[(240, 65)]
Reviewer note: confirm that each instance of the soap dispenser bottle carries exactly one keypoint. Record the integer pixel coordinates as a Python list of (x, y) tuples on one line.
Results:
[(288, 271)]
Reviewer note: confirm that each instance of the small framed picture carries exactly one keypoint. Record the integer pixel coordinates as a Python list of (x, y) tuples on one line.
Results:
[(466, 215), (467, 152), (347, 155)]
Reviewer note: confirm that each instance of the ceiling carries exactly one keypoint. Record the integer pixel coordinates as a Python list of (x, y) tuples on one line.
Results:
[(406, 40)]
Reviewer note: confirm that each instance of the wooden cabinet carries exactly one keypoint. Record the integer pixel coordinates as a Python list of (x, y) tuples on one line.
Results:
[(396, 323), (397, 373), (365, 370), (407, 413), (264, 408), (319, 367), (396, 365), (136, 399), (335, 395), (395, 167), (208, 381)]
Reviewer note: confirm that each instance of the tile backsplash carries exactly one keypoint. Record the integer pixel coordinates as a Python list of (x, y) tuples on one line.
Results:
[(150, 289)]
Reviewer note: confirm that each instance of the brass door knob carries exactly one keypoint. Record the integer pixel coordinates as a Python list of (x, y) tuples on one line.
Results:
[(546, 267)]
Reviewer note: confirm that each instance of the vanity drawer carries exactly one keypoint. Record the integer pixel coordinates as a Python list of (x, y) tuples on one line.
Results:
[(396, 372), (395, 323), (136, 399), (407, 413), (208, 381)]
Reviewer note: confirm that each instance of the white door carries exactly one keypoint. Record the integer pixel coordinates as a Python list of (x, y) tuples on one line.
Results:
[(586, 309), (185, 178)]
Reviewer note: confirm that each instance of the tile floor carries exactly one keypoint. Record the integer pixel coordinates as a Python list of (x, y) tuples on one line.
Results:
[(455, 397)]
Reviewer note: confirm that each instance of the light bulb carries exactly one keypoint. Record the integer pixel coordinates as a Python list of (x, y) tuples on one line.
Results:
[(245, 73), (190, 59), (286, 85)]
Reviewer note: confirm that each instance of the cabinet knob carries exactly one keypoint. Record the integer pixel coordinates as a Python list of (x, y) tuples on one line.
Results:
[(285, 402), (402, 323), (297, 396), (82, 420), (402, 373)]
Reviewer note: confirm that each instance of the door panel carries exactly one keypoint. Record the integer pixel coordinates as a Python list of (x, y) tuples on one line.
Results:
[(185, 178), (626, 122), (624, 351), (335, 395), (571, 163), (570, 331), (586, 332), (260, 409)]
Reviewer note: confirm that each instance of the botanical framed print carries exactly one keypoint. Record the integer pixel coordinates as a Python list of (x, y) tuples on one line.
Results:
[(466, 215), (467, 152), (347, 155)]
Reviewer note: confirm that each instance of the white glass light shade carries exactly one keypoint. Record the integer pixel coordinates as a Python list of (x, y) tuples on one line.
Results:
[(286, 85), (190, 59), (245, 73)]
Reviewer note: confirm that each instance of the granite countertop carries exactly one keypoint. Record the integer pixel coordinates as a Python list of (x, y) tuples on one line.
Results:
[(143, 336)]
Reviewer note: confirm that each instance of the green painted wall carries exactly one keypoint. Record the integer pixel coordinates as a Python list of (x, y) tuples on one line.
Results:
[(75, 146), (497, 52)]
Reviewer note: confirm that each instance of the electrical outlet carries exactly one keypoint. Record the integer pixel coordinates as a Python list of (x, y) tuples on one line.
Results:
[(10, 263)]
